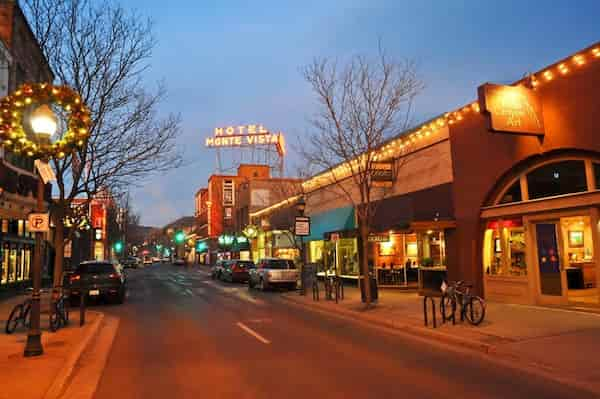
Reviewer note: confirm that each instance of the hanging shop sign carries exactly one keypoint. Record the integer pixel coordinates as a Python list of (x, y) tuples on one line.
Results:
[(382, 174), (512, 109), (245, 136), (378, 238), (302, 226)]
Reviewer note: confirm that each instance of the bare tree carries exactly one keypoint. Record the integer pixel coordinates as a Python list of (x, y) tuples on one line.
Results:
[(102, 51), (361, 105)]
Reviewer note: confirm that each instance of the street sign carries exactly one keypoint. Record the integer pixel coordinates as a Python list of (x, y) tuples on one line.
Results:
[(38, 222), (45, 171), (302, 226), (382, 174)]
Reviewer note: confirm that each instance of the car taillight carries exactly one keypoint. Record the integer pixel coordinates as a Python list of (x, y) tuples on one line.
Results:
[(113, 275), (75, 277)]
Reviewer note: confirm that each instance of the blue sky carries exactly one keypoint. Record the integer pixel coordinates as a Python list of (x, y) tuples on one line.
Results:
[(237, 62)]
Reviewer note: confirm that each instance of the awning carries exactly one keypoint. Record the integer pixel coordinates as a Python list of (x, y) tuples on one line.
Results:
[(401, 212), (339, 219)]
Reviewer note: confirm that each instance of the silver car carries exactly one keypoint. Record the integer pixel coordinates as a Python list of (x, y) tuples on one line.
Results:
[(273, 272)]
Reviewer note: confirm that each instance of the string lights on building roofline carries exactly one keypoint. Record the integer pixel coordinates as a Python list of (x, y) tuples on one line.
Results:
[(407, 143)]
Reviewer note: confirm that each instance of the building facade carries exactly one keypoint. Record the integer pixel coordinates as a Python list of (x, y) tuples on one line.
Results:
[(503, 192), (21, 60)]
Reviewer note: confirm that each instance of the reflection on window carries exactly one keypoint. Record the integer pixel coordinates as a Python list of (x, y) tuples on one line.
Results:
[(504, 248), (513, 194), (557, 178)]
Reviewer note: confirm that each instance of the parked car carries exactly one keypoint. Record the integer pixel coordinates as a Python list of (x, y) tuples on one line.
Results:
[(180, 262), (147, 260), (236, 270), (130, 262), (217, 268), (155, 259), (166, 260), (273, 272), (98, 279)]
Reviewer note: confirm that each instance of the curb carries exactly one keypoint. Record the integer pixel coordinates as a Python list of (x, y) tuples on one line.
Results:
[(420, 332), (62, 377)]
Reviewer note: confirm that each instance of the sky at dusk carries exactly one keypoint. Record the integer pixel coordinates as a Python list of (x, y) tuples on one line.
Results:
[(238, 62)]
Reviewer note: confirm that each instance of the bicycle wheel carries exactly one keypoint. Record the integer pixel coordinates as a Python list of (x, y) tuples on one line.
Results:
[(475, 310), (448, 308), (13, 320)]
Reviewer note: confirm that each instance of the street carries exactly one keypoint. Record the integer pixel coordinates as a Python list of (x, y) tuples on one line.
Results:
[(183, 335)]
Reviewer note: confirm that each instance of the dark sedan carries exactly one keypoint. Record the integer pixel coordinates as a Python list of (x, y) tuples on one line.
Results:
[(98, 279), (236, 270)]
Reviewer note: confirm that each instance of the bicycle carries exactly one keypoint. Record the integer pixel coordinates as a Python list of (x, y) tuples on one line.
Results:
[(20, 314), (472, 307), (59, 314)]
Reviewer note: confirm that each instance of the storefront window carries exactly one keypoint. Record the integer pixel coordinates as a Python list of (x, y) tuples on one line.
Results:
[(504, 248), (577, 237), (27, 264), (5, 253), (433, 248), (316, 251), (556, 179), (4, 226), (21, 228), (329, 256), (12, 264), (597, 174), (348, 256)]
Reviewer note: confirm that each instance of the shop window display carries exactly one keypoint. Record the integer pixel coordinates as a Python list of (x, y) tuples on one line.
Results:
[(504, 249), (578, 253), (348, 256)]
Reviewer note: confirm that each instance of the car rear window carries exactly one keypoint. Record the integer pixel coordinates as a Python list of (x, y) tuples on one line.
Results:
[(245, 263), (280, 264), (96, 268)]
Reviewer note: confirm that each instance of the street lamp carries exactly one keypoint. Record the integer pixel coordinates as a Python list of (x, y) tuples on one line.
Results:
[(301, 207), (44, 125)]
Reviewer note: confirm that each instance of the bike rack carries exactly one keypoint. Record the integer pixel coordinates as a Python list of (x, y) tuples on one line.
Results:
[(432, 302)]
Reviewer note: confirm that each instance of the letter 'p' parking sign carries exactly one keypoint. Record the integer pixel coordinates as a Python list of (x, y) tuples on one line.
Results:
[(38, 222)]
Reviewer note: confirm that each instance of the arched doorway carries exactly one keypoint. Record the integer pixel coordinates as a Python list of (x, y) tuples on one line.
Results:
[(540, 227)]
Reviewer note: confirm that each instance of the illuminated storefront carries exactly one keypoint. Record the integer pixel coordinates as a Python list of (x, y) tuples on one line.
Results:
[(16, 254)]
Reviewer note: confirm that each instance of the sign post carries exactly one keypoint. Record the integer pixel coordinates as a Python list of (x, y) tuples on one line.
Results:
[(302, 229)]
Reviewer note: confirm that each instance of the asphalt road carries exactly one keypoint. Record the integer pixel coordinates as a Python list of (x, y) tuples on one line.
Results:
[(183, 335)]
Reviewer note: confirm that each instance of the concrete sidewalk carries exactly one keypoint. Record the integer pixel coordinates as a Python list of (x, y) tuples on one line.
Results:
[(45, 376), (557, 341)]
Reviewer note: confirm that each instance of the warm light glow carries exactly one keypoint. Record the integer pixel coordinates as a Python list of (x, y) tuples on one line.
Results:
[(563, 69), (43, 121), (579, 59), (548, 75), (596, 52)]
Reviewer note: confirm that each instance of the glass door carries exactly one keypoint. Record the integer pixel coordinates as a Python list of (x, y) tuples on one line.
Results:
[(552, 286)]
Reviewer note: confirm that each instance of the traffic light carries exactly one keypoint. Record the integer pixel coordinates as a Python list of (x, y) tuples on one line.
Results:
[(118, 246), (179, 237)]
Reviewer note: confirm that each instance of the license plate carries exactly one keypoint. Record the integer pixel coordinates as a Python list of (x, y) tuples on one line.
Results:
[(94, 292)]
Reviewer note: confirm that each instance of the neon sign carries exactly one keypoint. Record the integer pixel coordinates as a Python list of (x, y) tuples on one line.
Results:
[(245, 136)]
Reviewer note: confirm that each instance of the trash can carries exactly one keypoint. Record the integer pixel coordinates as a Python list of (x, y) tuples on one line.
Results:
[(374, 290)]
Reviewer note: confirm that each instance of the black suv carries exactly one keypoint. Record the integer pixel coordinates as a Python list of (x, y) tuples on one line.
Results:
[(98, 279)]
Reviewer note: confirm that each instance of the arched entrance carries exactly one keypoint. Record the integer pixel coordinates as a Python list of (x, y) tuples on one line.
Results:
[(540, 228)]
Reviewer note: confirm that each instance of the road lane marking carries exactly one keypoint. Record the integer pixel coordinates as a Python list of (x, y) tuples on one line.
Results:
[(253, 333), (238, 292)]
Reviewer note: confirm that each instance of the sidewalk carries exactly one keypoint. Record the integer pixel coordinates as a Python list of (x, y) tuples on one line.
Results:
[(557, 341), (43, 376)]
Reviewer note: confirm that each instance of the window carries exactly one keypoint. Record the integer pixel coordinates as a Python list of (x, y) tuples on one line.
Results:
[(597, 174), (228, 193), (558, 178), (96, 268), (513, 194), (504, 248)]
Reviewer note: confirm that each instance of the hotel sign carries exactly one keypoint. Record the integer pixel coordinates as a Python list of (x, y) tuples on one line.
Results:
[(245, 136), (512, 109)]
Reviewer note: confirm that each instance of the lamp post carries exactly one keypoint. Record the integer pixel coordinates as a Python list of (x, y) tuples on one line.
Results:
[(300, 207), (44, 125)]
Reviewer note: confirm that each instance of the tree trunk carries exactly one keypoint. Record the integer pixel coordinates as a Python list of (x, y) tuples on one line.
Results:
[(363, 229), (59, 247)]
